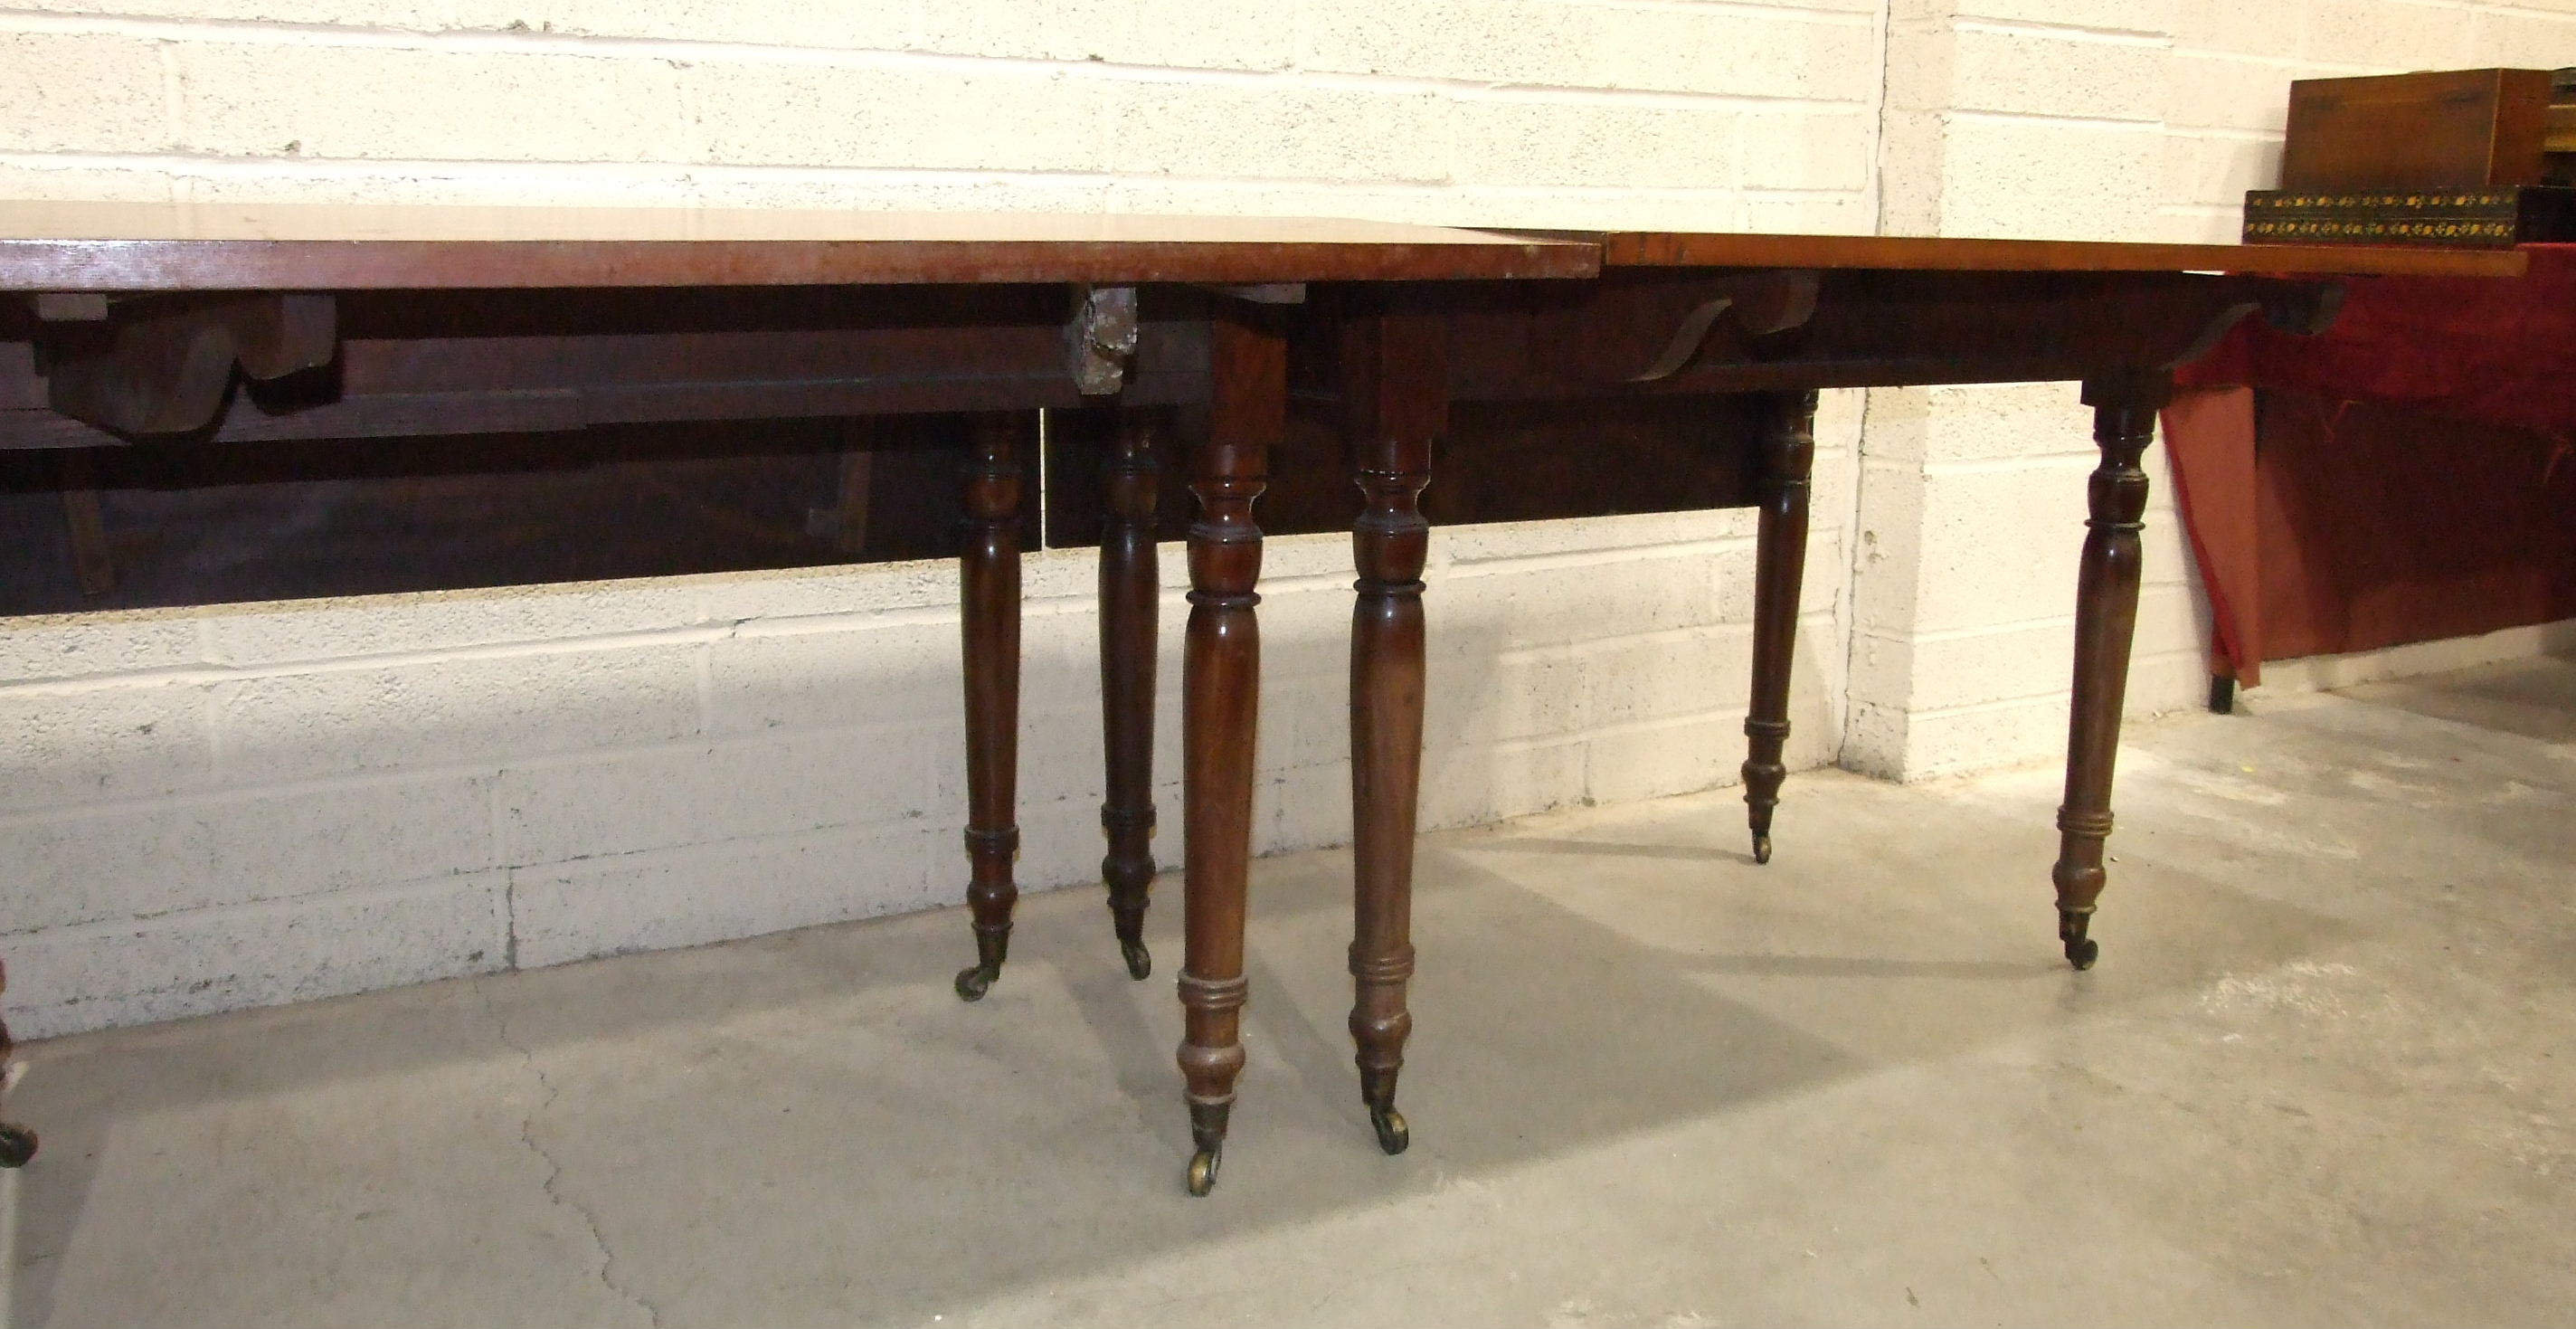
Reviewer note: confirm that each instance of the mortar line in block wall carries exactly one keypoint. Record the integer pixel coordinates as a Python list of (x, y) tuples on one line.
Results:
[(209, 674), (2118, 124), (278, 904), (301, 786), (2057, 696), (1511, 564), (2095, 34)]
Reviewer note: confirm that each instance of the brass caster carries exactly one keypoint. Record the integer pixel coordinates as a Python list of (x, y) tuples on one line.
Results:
[(17, 1145), (1392, 1134), (976, 980), (1203, 1167), (2081, 952), (1140, 962), (1762, 848)]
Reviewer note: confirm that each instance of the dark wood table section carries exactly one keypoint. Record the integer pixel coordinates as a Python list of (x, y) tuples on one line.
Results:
[(1710, 318), (1350, 346), (188, 324)]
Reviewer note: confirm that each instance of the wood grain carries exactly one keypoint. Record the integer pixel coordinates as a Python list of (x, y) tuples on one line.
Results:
[(48, 246)]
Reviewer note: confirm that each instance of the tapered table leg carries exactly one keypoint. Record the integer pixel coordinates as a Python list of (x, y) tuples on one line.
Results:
[(1220, 686), (1394, 377), (1788, 452), (1129, 584), (17, 1143), (2106, 616), (989, 572)]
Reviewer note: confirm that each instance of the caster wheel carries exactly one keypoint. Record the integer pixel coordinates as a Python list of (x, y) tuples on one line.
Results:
[(2082, 954), (1392, 1134), (1140, 962), (974, 982), (1203, 1167), (1761, 849), (17, 1145)]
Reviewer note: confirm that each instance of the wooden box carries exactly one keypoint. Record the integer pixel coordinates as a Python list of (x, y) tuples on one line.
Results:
[(2466, 129)]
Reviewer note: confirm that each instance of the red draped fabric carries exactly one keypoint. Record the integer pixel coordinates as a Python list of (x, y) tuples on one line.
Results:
[(2497, 354)]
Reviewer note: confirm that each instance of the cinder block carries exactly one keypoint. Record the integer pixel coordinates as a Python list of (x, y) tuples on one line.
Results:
[(68, 980), (1260, 34), (2519, 37), (1308, 807), (772, 597), (1952, 742), (50, 179), (883, 674), (414, 14), (1808, 150), (485, 709), (2029, 72), (706, 793), (2000, 546), (1060, 848), (1600, 144), (1537, 603), (1824, 53), (79, 92), (1977, 423), (1456, 547), (97, 743), (2222, 92), (1639, 680), (766, 22), (2236, 28), (1483, 691), (2049, 180), (741, 888), (1273, 130), (1821, 52), (1810, 214), (261, 99), (2133, 17), (39, 648), (2387, 34), (2018, 661), (1475, 785), (1506, 42), (1673, 756), (880, 114), (308, 631), (197, 853), (2217, 171)]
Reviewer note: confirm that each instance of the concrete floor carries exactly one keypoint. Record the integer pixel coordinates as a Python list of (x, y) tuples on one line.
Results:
[(2323, 1074)]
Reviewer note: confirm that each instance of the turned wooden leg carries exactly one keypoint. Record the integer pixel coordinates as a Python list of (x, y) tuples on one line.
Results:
[(1129, 583), (1788, 453), (989, 571), (17, 1143), (1394, 375), (2106, 614), (1220, 686)]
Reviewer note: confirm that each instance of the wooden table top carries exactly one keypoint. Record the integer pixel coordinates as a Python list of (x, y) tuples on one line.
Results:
[(49, 246), (1679, 249), (81, 246)]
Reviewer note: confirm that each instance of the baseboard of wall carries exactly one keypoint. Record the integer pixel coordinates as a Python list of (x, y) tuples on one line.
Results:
[(2324, 673)]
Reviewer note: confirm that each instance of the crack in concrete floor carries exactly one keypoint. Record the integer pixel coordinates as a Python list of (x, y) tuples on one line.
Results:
[(554, 1166)]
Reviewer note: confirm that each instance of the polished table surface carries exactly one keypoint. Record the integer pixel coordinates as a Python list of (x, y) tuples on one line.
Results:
[(162, 247), (1402, 323), (1695, 249)]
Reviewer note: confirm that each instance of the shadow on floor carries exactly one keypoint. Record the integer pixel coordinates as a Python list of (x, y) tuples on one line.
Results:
[(810, 1124)]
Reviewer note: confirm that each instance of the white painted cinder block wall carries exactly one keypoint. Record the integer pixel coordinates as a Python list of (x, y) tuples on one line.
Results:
[(2085, 119), (232, 806)]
